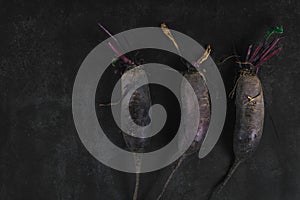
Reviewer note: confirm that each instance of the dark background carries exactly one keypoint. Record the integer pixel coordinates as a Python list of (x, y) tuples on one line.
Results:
[(42, 44)]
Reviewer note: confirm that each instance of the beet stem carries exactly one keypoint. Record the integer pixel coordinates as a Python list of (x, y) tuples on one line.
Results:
[(220, 187), (170, 177)]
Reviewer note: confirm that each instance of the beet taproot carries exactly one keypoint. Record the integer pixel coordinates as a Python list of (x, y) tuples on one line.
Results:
[(249, 103), (139, 104), (197, 80)]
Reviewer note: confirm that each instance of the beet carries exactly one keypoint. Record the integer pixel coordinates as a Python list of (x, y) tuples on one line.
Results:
[(249, 121), (249, 116), (249, 103), (139, 104), (198, 83)]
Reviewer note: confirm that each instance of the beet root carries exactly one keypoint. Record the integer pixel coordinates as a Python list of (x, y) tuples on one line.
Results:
[(198, 83), (249, 122)]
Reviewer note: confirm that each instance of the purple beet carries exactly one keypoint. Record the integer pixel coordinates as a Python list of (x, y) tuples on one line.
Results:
[(139, 104), (197, 81), (249, 103)]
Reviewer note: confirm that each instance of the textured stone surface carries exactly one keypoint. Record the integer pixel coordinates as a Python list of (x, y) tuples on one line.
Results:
[(42, 44)]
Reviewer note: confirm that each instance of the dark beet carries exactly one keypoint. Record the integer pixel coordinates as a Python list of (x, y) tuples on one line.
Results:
[(139, 104), (249, 116), (250, 102), (249, 121), (198, 83)]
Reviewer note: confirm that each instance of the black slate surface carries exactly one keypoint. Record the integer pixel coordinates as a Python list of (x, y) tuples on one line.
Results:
[(42, 44)]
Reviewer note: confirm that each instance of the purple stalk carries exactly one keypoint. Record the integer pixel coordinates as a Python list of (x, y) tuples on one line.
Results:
[(258, 48), (267, 58), (272, 45), (249, 52), (124, 58), (266, 48), (108, 33), (262, 53)]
